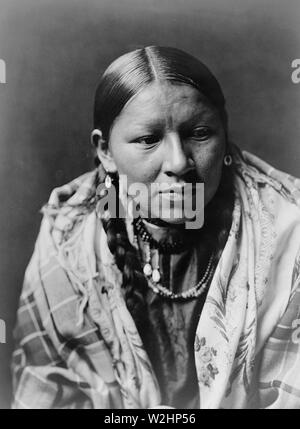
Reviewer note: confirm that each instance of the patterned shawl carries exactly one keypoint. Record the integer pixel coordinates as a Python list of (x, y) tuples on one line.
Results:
[(77, 345)]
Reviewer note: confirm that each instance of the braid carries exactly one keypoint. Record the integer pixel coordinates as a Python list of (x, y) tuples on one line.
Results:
[(126, 257)]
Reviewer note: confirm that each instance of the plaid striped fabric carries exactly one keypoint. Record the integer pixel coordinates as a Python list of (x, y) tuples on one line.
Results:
[(45, 356), (280, 362), (77, 345)]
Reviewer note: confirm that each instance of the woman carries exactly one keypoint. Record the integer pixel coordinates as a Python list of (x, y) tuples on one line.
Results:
[(137, 310)]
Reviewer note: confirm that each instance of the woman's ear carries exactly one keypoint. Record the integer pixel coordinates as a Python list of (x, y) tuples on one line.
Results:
[(103, 151)]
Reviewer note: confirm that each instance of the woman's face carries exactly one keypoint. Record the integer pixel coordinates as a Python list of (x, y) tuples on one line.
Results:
[(168, 134)]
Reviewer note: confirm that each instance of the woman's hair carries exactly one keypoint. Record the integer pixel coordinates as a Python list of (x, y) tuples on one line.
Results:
[(123, 79), (132, 72)]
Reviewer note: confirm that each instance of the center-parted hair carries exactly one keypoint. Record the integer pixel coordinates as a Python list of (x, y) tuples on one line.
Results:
[(133, 71)]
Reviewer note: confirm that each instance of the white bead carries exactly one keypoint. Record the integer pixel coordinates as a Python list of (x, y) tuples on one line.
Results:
[(156, 276), (147, 270), (108, 181)]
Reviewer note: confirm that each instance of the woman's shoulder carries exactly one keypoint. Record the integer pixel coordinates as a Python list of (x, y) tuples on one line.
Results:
[(62, 235), (65, 262), (262, 173), (272, 200), (71, 203)]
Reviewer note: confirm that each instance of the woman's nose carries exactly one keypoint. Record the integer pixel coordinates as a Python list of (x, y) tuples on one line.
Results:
[(177, 161)]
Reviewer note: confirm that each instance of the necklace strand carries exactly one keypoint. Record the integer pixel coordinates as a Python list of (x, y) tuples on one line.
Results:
[(193, 292), (153, 276), (165, 247)]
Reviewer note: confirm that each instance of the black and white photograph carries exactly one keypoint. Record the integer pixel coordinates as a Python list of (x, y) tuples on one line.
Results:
[(150, 206)]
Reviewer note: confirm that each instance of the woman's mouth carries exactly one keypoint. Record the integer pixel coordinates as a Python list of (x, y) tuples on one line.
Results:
[(179, 192), (172, 195)]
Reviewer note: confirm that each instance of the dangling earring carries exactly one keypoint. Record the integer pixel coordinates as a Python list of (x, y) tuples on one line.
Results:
[(227, 160), (108, 180)]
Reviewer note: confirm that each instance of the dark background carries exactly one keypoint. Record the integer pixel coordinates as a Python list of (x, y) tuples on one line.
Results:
[(55, 50)]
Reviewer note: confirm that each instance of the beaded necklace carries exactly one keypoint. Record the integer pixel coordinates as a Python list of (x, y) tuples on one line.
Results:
[(152, 272)]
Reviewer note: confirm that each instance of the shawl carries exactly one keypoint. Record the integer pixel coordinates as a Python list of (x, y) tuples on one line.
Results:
[(77, 345)]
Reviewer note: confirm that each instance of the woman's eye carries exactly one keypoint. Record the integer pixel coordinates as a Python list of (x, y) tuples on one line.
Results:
[(148, 140), (202, 133)]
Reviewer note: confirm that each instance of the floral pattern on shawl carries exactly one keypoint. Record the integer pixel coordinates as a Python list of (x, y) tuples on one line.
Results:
[(206, 355), (230, 318)]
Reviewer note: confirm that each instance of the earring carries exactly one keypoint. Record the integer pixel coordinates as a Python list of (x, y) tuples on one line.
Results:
[(108, 181), (227, 160)]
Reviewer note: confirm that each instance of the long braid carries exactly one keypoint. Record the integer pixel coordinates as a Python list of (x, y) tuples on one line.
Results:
[(126, 257)]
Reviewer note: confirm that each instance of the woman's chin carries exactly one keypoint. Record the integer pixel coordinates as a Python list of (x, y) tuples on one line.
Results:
[(174, 219), (171, 216)]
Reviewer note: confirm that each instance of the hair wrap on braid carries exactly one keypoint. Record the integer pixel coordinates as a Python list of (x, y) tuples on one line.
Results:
[(126, 257)]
